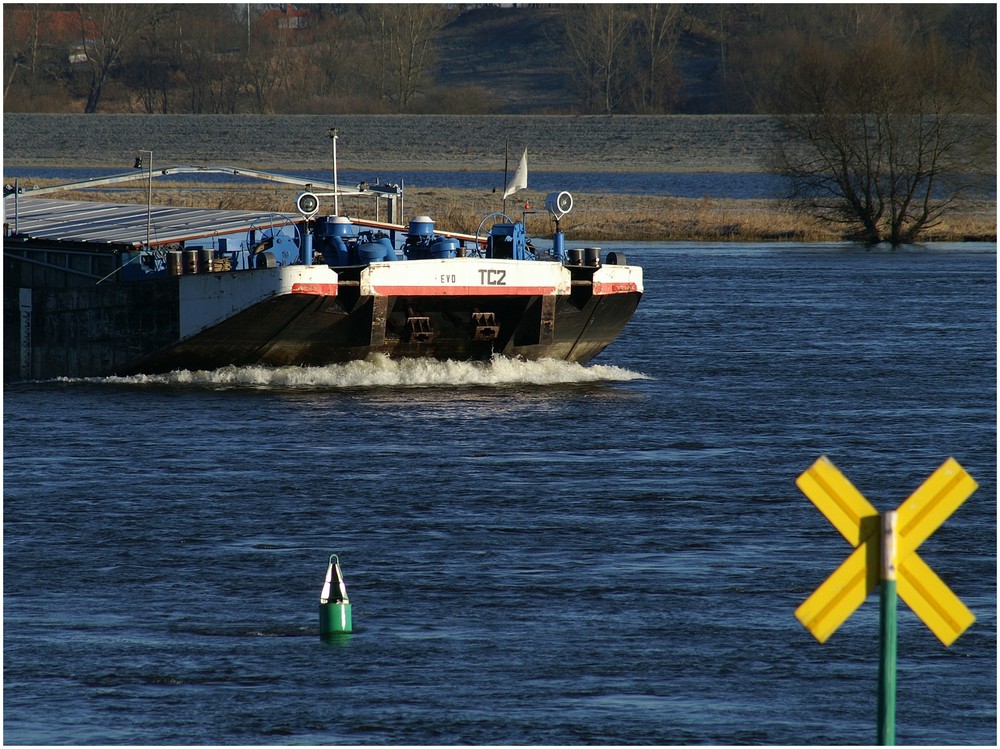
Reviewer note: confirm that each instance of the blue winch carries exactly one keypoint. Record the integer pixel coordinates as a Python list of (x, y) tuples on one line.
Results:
[(423, 244), (507, 240), (336, 240)]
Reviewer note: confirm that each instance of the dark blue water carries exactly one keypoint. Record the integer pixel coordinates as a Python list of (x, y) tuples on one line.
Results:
[(535, 553)]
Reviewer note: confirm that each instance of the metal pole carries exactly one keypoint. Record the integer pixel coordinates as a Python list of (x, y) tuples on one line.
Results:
[(887, 634), (336, 188), (149, 201), (149, 196), (506, 149)]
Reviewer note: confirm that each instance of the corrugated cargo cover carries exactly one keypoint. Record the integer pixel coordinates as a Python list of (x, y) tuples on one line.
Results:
[(124, 224)]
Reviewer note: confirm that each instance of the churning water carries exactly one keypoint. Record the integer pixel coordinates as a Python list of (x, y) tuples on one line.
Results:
[(536, 553)]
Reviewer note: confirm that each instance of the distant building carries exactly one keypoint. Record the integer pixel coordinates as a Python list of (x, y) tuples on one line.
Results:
[(286, 18), (293, 25), (54, 28)]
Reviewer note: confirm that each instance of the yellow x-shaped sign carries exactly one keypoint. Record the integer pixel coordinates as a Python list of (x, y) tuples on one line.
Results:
[(918, 517)]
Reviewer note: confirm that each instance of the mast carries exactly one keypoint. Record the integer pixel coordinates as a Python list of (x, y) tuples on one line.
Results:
[(506, 148)]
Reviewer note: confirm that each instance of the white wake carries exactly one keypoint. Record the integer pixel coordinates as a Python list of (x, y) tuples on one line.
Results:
[(380, 371)]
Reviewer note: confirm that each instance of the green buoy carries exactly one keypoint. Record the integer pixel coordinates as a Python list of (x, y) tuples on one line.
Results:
[(334, 608)]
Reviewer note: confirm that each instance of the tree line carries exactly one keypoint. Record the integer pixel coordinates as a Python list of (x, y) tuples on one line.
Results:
[(217, 59), (653, 58), (888, 111)]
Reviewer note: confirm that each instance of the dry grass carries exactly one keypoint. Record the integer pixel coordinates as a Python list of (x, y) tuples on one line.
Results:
[(594, 217)]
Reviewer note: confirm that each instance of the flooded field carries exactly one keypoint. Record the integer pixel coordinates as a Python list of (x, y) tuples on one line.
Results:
[(676, 143)]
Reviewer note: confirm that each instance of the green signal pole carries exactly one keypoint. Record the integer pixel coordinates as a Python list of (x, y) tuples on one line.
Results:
[(887, 634)]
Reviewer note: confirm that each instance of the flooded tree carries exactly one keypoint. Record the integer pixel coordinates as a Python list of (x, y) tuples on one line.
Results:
[(882, 133)]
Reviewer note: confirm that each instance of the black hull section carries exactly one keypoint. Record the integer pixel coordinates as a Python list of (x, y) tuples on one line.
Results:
[(126, 329), (315, 331)]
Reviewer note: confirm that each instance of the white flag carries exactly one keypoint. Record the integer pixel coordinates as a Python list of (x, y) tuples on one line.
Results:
[(520, 179)]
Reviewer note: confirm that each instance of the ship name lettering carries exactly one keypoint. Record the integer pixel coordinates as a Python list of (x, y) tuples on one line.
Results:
[(492, 277), (448, 278)]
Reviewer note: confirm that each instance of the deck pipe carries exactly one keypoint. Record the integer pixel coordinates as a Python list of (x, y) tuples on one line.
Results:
[(307, 247), (559, 246)]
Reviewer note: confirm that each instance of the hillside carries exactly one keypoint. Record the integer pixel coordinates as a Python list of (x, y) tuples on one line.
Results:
[(448, 59), (512, 55), (508, 54)]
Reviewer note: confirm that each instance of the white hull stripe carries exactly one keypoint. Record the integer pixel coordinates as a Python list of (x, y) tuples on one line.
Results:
[(464, 290)]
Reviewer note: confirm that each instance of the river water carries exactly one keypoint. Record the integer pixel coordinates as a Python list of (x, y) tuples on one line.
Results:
[(536, 553)]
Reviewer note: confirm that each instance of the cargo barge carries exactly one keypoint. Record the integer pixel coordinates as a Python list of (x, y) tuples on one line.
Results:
[(95, 289)]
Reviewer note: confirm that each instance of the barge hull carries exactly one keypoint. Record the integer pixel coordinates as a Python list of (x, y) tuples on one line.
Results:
[(125, 329), (77, 305), (316, 332)]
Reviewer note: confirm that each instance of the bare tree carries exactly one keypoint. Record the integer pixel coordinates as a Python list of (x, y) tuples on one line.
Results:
[(198, 61), (21, 35), (623, 56), (656, 39), (403, 36), (342, 56), (881, 137), (725, 17), (106, 32), (265, 70), (149, 68), (597, 39)]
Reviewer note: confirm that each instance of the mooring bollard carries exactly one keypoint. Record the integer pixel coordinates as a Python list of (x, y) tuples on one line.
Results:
[(334, 608)]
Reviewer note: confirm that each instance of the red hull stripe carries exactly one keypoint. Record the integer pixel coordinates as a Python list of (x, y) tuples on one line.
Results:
[(464, 290), (318, 289), (330, 289), (603, 289)]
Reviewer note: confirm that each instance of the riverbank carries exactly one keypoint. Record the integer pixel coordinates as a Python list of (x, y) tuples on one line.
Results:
[(595, 217), (651, 218), (384, 145)]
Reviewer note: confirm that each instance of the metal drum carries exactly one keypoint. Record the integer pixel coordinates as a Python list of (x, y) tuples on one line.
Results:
[(174, 262), (190, 261), (206, 260)]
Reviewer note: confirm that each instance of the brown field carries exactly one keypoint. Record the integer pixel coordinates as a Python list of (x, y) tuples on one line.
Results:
[(724, 143), (598, 217)]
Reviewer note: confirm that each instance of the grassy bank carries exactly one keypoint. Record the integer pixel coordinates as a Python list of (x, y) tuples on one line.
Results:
[(595, 217)]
